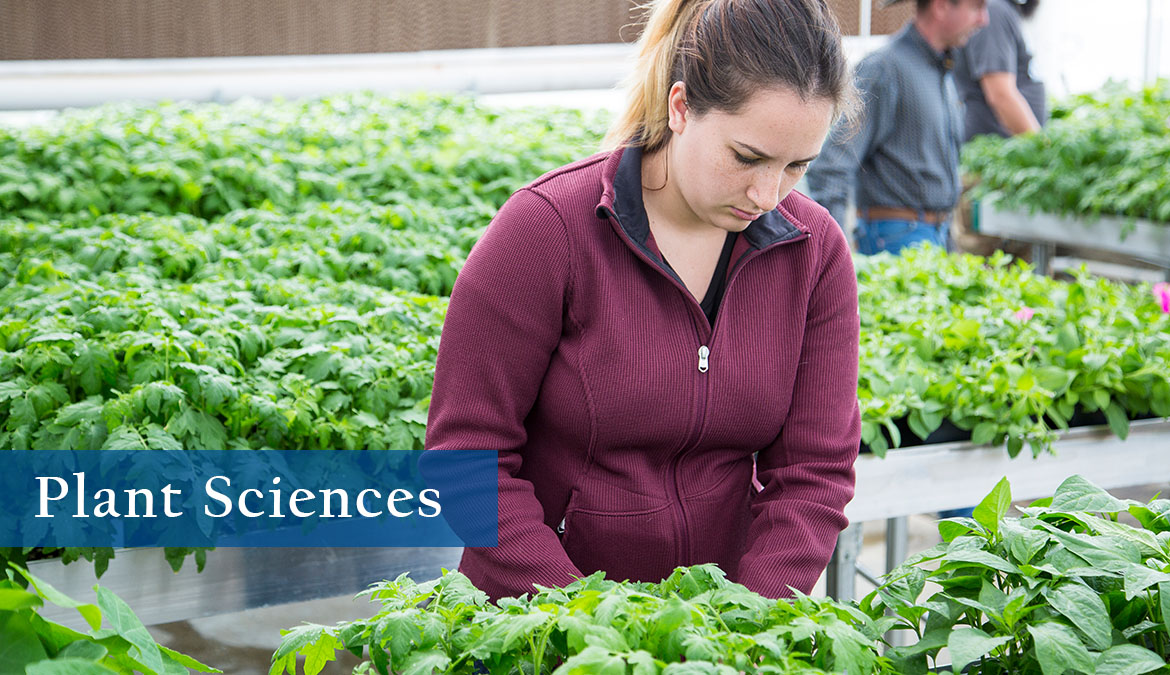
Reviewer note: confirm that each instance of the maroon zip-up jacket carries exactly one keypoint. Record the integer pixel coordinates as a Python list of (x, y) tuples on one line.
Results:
[(626, 424)]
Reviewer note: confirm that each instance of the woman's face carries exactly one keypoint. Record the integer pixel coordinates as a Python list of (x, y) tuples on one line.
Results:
[(729, 169)]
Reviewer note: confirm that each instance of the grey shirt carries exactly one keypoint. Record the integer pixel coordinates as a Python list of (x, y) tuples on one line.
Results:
[(905, 152), (998, 48)]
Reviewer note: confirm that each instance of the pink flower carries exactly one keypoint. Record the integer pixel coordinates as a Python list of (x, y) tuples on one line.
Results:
[(1023, 314), (1162, 295)]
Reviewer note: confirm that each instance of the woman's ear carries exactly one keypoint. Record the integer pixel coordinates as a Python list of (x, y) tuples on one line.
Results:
[(676, 107)]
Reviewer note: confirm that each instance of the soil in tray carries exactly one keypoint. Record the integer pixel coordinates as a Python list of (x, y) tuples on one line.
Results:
[(945, 433)]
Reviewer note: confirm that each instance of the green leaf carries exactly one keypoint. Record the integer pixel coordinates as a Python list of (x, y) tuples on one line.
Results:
[(191, 191), (91, 613), (83, 649), (965, 558), (67, 667), (319, 653), (422, 663), (1077, 493), (1118, 421), (54, 337), (852, 652), (1085, 609), (959, 333), (297, 638), (1023, 542), (520, 627), (1139, 577), (950, 529), (1055, 379), (994, 506), (1164, 604), (93, 366), (1058, 649), (968, 644), (1128, 660), (593, 661), (984, 433), (18, 598), (122, 619), (20, 645), (89, 410), (186, 661), (904, 587), (1100, 398)]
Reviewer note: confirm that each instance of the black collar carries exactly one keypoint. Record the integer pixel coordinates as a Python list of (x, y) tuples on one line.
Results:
[(768, 229)]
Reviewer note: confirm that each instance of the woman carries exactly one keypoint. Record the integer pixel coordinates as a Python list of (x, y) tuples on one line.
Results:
[(635, 327)]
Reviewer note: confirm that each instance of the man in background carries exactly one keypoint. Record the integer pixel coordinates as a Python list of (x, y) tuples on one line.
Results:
[(903, 159), (993, 73)]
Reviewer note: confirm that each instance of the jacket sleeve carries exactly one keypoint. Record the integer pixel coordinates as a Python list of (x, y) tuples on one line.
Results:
[(832, 177), (503, 323), (807, 472)]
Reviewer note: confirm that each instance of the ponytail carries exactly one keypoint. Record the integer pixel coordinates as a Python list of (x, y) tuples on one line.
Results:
[(725, 51), (644, 121)]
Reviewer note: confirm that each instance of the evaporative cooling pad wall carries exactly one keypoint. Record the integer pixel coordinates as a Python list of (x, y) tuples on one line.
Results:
[(93, 29)]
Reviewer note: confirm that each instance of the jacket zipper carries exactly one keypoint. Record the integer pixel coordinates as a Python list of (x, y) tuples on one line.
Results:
[(704, 352), (703, 389)]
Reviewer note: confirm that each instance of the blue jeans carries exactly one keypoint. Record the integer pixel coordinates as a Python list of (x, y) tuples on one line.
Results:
[(874, 236)]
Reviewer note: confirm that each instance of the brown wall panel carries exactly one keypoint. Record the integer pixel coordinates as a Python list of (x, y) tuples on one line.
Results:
[(848, 15), (86, 29), (890, 19)]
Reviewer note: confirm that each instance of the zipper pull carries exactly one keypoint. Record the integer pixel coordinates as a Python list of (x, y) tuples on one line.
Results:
[(561, 527), (703, 354)]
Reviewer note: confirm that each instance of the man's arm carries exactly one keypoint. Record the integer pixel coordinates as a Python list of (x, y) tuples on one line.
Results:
[(1008, 104)]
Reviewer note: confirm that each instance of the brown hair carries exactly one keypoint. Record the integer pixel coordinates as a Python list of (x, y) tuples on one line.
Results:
[(724, 51)]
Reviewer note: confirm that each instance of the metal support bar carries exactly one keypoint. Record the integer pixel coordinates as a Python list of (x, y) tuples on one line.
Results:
[(840, 577), (1042, 255), (897, 541), (874, 578)]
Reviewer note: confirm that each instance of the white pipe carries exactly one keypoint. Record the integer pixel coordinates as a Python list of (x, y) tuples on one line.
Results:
[(37, 85), (865, 19), (1152, 53), (52, 85)]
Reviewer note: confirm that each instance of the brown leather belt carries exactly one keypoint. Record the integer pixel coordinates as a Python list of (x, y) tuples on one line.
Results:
[(897, 213)]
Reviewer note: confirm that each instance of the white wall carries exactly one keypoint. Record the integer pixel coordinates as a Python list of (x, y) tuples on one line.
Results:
[(1080, 44)]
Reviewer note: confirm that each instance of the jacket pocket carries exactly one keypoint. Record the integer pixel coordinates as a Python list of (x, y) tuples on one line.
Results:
[(719, 524), (627, 545)]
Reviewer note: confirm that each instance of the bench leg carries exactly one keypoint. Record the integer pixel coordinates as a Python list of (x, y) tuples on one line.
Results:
[(897, 541), (841, 575), (1042, 255)]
